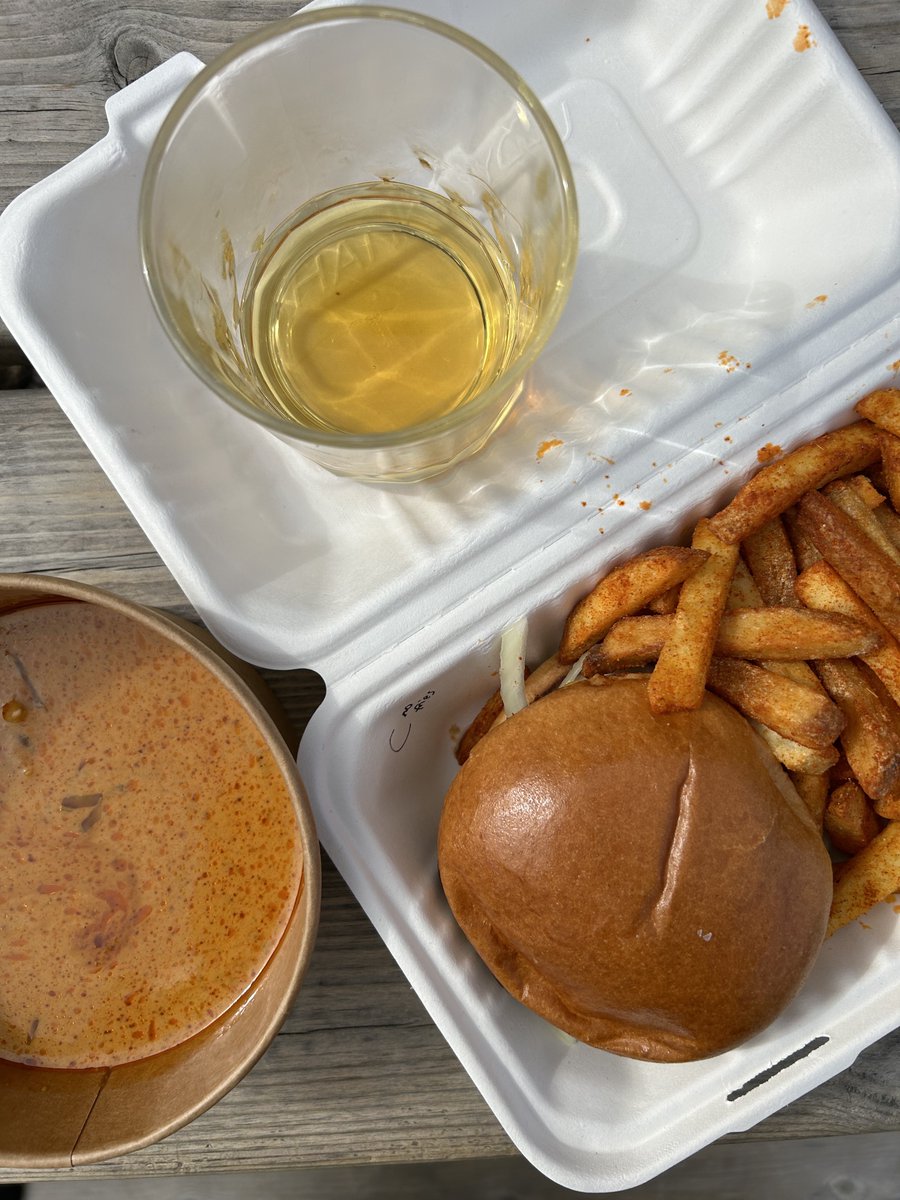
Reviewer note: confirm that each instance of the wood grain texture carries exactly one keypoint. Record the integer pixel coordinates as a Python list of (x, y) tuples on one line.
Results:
[(359, 1073)]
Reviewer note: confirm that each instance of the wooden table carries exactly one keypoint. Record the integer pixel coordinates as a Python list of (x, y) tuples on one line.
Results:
[(359, 1073)]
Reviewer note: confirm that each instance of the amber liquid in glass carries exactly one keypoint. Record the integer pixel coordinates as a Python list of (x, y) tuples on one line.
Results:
[(378, 308)]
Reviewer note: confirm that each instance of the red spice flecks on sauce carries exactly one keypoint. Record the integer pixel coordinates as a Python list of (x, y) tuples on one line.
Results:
[(803, 39), (135, 828), (767, 452), (548, 445)]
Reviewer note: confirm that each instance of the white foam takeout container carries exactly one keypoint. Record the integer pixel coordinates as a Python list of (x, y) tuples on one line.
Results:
[(737, 285)]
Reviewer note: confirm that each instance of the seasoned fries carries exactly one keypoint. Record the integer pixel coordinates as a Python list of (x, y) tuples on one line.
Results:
[(868, 877), (770, 557), (871, 736), (821, 587), (796, 758), (787, 605), (882, 407), (849, 499), (813, 791), (679, 677), (889, 444), (794, 710), (850, 821), (855, 557), (759, 634), (625, 590), (776, 487)]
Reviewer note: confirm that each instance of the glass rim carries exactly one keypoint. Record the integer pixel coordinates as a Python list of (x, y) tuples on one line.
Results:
[(515, 371)]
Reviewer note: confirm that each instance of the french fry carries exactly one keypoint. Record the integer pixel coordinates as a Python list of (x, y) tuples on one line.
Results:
[(774, 488), (813, 791), (759, 634), (882, 407), (678, 680), (538, 682), (868, 571), (889, 444), (889, 522), (849, 500), (841, 771), (625, 590), (770, 557), (805, 552), (786, 634), (864, 487), (794, 710), (666, 603), (871, 736), (821, 587), (869, 877), (802, 760), (743, 592), (850, 821)]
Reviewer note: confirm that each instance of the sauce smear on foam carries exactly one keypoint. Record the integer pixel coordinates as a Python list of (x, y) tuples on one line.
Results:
[(149, 844)]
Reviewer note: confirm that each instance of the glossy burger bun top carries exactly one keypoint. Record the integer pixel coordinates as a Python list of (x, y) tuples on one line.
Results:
[(651, 885)]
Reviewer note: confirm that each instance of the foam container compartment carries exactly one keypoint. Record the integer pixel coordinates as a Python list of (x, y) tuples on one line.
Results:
[(737, 286)]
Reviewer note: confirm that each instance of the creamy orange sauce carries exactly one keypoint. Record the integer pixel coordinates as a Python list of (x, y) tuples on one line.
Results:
[(150, 847)]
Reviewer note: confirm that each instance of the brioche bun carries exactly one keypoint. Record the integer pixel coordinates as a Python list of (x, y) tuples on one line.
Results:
[(652, 885)]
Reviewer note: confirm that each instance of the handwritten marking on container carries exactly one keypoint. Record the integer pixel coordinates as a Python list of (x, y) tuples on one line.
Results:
[(550, 444), (399, 738), (817, 300), (803, 39), (767, 452), (774, 8)]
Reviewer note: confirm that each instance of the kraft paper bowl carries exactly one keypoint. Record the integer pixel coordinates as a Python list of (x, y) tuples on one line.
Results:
[(59, 1118)]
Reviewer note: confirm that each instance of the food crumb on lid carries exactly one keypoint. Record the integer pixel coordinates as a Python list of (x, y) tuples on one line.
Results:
[(767, 452), (549, 444)]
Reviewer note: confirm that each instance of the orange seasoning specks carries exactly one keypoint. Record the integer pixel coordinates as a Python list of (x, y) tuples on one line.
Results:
[(548, 445), (624, 391), (774, 8), (817, 300), (646, 505), (730, 362), (152, 848), (803, 39), (767, 452)]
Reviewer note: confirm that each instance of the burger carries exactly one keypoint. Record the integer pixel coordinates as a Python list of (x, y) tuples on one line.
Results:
[(652, 885)]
